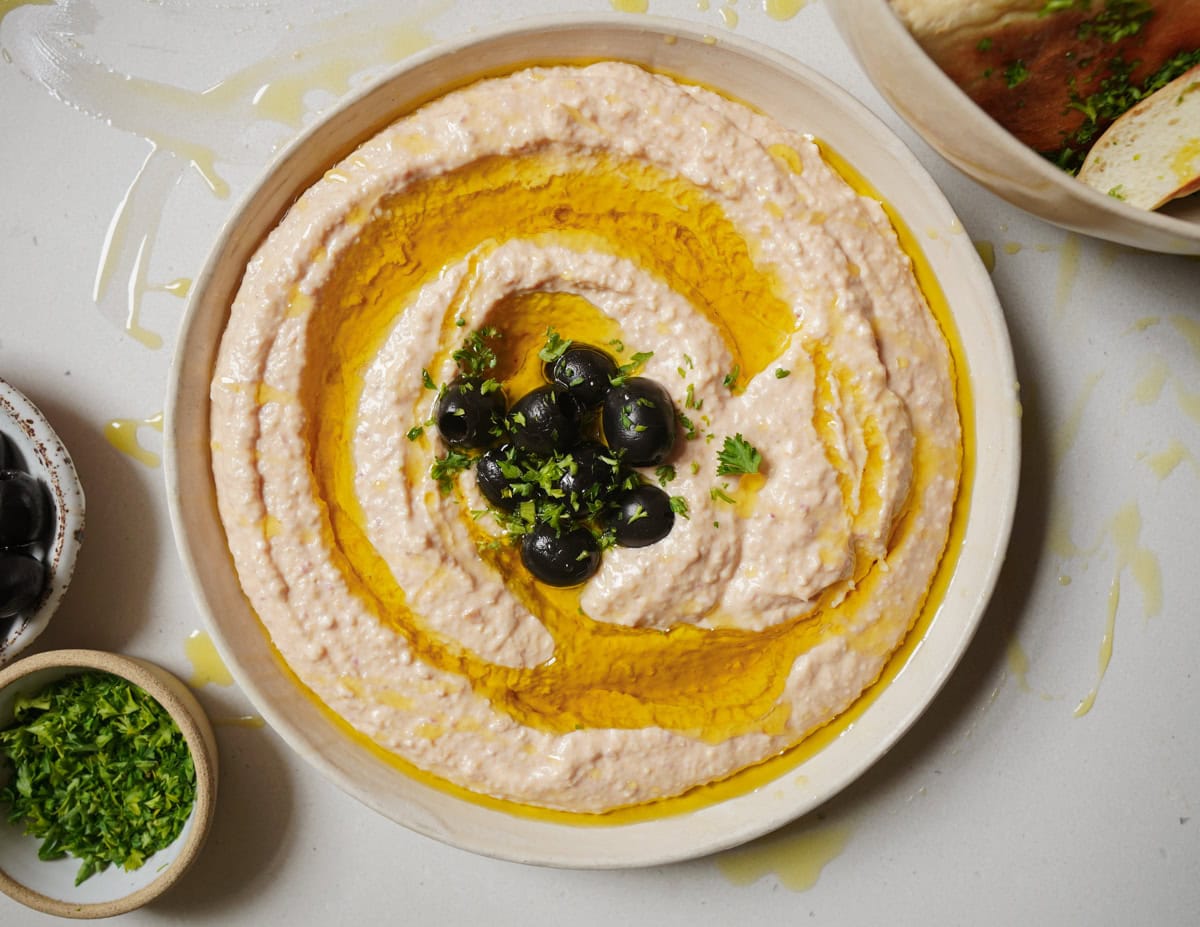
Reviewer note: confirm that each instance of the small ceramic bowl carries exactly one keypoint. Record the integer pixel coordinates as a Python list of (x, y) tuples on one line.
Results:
[(49, 886), (31, 445), (961, 132)]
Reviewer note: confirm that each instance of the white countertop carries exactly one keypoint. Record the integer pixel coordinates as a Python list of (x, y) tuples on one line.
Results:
[(1005, 804)]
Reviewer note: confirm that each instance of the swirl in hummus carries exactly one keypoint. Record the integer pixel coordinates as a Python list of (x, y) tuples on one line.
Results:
[(623, 208)]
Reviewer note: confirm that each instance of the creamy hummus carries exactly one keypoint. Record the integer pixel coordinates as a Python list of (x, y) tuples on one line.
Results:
[(644, 215)]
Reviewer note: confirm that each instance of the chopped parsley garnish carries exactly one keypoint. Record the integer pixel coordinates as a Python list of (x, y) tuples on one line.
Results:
[(625, 371), (691, 402), (665, 474), (1119, 20), (720, 495), (679, 506), (100, 771), (731, 378), (415, 432), (555, 346), (985, 44), (737, 456), (1116, 95), (427, 380), (780, 373), (447, 467), (1015, 73), (689, 427), (476, 356)]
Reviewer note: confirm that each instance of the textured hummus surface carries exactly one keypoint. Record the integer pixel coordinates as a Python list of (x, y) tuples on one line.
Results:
[(372, 583)]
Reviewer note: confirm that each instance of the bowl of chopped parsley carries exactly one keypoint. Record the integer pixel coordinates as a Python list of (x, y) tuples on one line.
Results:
[(107, 782)]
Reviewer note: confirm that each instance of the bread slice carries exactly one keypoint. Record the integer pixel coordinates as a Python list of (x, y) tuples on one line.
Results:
[(1151, 155)]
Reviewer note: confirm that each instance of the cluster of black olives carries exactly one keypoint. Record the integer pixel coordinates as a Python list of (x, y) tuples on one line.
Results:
[(25, 520), (558, 465)]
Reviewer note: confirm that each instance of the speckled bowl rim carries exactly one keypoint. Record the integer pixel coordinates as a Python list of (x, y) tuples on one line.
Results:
[(54, 465), (243, 642), (193, 723)]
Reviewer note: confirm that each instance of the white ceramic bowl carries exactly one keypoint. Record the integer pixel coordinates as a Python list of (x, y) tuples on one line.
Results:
[(797, 97), (977, 145), (49, 886), (42, 454)]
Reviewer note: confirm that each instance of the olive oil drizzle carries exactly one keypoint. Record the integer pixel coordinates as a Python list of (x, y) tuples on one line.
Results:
[(713, 684)]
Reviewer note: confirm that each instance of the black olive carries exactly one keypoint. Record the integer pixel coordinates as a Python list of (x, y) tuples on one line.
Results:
[(565, 558), (591, 477), (470, 412), (641, 516), (585, 372), (23, 508), (639, 419), (22, 579), (544, 420), (495, 483)]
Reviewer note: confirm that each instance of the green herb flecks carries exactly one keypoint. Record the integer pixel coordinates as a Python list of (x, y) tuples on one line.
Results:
[(1119, 20), (1116, 95), (625, 371), (737, 456), (555, 346), (476, 356), (679, 506), (99, 772), (1015, 73), (447, 467)]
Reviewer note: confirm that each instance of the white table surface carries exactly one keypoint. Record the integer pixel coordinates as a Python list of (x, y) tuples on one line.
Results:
[(1001, 806)]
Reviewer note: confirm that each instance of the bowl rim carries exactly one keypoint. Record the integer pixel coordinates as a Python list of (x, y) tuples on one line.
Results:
[(1098, 205), (178, 406), (193, 723), (59, 473)]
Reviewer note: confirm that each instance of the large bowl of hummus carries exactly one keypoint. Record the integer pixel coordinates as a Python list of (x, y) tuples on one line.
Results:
[(1083, 114), (723, 223)]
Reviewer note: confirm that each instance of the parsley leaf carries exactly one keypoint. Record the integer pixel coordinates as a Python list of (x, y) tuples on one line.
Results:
[(665, 474), (679, 506), (737, 456)]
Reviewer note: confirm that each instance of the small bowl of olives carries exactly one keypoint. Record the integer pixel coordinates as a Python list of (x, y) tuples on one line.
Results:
[(41, 521)]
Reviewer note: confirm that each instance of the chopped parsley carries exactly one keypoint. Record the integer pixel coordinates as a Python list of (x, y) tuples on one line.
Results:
[(1015, 73), (555, 347), (415, 432), (718, 494), (625, 371), (679, 506), (780, 373), (476, 356), (737, 456), (447, 467), (1116, 95), (731, 378), (427, 380), (100, 772), (665, 474)]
